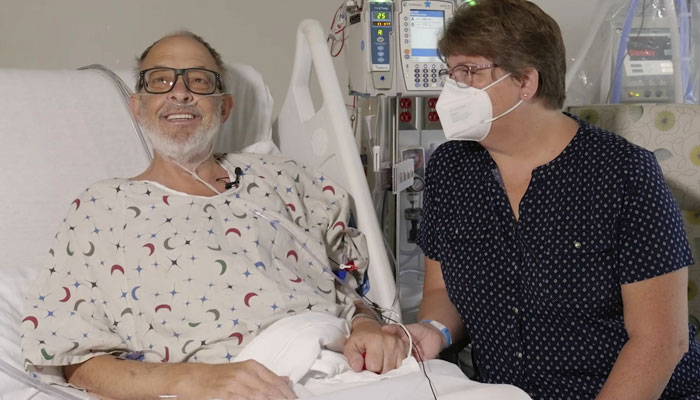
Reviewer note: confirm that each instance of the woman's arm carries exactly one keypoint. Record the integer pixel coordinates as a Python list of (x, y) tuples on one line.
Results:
[(436, 306), (656, 319)]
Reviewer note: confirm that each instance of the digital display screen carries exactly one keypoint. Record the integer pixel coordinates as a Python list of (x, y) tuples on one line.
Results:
[(647, 48), (380, 16), (381, 23), (426, 27)]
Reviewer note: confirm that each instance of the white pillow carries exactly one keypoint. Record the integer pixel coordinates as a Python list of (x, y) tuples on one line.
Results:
[(59, 132)]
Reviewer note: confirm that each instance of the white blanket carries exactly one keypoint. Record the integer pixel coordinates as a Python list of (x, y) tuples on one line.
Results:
[(308, 349)]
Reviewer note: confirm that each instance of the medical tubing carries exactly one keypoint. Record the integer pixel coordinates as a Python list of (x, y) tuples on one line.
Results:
[(194, 173), (583, 51), (27, 380), (684, 25), (622, 51), (126, 94), (678, 89), (349, 291), (410, 339)]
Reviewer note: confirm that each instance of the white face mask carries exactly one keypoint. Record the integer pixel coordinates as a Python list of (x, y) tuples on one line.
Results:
[(467, 113)]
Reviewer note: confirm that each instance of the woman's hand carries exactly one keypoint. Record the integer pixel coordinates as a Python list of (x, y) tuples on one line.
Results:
[(428, 342), (373, 348)]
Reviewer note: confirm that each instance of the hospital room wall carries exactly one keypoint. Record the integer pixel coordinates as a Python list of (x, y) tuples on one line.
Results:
[(54, 34)]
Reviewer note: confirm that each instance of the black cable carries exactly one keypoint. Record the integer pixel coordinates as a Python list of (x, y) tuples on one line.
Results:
[(422, 364), (239, 172), (379, 310)]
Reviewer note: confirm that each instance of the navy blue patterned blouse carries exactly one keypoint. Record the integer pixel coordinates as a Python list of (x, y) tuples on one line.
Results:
[(540, 297)]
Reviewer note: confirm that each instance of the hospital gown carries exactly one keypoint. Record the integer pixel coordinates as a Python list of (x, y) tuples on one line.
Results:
[(144, 272)]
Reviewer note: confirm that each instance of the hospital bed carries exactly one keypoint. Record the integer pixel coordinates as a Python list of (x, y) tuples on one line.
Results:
[(61, 130)]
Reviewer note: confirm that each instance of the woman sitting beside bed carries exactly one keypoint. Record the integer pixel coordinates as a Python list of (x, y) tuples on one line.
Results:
[(554, 245)]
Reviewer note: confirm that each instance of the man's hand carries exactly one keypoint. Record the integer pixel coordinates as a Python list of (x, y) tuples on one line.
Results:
[(427, 340), (119, 379), (241, 380), (369, 346)]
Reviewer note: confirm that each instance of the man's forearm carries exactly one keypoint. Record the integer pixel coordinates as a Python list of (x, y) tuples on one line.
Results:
[(641, 371), (362, 308), (114, 378)]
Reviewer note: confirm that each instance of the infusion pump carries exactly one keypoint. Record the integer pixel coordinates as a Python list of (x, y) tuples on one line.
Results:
[(392, 47)]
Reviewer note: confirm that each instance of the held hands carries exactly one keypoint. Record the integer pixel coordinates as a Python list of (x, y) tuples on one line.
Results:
[(246, 380), (427, 340), (373, 348)]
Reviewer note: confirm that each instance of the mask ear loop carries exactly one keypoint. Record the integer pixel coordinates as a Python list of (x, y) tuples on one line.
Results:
[(487, 87), (505, 112)]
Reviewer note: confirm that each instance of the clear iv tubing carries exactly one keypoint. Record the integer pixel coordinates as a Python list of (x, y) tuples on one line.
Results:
[(276, 222), (678, 89), (24, 378), (345, 287), (343, 283), (684, 25), (622, 51)]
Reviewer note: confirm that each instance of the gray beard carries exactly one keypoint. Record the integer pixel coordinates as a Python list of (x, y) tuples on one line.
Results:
[(191, 152)]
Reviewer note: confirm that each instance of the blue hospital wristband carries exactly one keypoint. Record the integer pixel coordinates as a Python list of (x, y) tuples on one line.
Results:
[(443, 329)]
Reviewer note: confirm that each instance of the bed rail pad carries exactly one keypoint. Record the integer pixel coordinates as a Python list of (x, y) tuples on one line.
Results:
[(324, 140)]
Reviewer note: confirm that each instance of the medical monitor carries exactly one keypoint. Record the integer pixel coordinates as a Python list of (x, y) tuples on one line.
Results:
[(420, 25), (647, 73), (426, 27)]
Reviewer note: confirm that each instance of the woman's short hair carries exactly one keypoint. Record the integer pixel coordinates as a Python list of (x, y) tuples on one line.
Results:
[(515, 35)]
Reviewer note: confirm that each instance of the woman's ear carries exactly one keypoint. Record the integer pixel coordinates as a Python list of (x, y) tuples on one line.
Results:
[(529, 83)]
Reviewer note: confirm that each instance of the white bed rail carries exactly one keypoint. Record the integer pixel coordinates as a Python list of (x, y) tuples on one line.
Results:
[(325, 140)]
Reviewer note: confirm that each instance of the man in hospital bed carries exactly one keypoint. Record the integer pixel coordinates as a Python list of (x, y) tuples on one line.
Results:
[(157, 282)]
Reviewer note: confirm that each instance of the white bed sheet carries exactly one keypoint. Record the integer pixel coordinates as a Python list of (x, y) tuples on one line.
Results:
[(308, 349)]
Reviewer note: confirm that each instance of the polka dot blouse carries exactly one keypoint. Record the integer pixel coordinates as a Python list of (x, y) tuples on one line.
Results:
[(540, 297)]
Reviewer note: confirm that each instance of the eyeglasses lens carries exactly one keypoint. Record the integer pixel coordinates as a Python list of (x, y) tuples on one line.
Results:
[(197, 81)]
